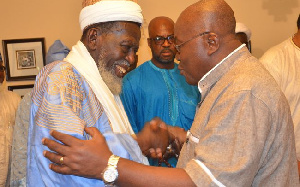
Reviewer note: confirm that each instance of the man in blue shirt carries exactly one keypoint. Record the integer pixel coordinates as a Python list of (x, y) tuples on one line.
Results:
[(156, 88)]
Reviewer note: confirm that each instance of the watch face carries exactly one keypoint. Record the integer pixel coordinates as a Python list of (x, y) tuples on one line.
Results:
[(110, 174)]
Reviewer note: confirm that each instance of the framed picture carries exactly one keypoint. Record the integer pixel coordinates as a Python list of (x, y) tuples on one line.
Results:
[(21, 89), (24, 58)]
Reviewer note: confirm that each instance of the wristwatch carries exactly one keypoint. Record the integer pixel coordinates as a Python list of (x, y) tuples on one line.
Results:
[(110, 173)]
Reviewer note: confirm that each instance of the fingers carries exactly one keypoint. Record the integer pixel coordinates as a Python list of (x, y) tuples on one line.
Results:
[(55, 146), (152, 153), (158, 153), (63, 169), (55, 158), (156, 124), (155, 153), (163, 125), (64, 138), (92, 131)]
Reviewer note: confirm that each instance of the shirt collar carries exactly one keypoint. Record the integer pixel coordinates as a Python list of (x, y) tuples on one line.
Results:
[(200, 83), (159, 69)]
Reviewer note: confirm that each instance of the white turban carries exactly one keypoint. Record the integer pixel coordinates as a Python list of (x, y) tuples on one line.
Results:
[(106, 10), (240, 27)]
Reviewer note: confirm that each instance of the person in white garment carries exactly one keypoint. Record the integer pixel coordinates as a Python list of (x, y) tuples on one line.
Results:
[(283, 62), (9, 102)]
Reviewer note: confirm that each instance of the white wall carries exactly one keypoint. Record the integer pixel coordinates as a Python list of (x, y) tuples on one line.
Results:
[(271, 21)]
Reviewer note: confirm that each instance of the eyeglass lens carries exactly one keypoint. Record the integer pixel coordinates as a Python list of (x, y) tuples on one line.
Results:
[(159, 40)]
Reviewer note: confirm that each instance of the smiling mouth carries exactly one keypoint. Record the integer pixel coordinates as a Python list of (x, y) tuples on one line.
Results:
[(121, 69)]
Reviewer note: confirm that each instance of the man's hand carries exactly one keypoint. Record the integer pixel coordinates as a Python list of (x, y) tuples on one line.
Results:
[(80, 157), (154, 138), (177, 135)]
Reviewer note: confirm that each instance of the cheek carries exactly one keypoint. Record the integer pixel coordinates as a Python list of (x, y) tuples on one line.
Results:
[(156, 50), (191, 69), (111, 58), (173, 49), (192, 73), (187, 70)]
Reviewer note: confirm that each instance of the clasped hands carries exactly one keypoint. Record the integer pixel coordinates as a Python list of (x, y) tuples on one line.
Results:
[(88, 158)]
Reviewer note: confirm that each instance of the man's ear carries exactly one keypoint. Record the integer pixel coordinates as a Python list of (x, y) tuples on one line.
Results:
[(92, 37), (213, 43)]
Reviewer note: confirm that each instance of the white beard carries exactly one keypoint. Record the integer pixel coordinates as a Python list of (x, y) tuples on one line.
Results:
[(113, 82)]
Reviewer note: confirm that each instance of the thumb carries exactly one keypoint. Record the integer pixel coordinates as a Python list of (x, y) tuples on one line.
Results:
[(155, 124)]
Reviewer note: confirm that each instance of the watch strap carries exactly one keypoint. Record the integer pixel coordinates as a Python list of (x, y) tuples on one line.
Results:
[(113, 161)]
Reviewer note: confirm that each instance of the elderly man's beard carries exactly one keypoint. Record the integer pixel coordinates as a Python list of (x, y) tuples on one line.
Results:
[(113, 82)]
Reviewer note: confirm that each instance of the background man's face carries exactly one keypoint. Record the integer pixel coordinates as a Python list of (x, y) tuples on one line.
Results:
[(164, 53)]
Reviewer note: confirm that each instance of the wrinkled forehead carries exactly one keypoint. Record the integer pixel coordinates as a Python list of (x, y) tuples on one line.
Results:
[(130, 28), (127, 32)]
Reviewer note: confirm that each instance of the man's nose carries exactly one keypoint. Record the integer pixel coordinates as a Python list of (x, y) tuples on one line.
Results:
[(131, 58), (166, 43)]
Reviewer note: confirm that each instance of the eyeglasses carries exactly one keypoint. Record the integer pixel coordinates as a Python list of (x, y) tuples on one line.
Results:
[(2, 68), (159, 40), (198, 35)]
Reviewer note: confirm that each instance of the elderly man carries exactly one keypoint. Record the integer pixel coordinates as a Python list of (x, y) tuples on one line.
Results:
[(9, 102), (82, 91), (156, 87), (242, 134)]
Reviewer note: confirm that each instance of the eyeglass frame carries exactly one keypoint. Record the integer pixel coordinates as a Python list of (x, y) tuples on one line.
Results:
[(164, 39), (194, 37)]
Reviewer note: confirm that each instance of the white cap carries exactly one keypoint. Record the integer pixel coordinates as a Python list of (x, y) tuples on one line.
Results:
[(240, 27), (107, 10)]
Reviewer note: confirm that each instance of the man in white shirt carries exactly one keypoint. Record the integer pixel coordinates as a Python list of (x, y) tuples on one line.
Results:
[(283, 62)]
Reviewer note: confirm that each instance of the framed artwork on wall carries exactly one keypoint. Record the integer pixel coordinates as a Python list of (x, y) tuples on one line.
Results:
[(21, 89), (23, 58)]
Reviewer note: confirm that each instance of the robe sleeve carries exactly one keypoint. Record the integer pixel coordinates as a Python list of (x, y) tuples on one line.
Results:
[(61, 101)]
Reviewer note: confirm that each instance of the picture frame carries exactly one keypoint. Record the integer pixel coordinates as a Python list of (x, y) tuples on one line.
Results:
[(23, 58), (21, 89)]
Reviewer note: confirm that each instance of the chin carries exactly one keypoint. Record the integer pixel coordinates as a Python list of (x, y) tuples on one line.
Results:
[(167, 61), (190, 81)]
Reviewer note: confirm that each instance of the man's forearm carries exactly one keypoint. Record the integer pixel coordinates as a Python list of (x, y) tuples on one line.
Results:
[(135, 174)]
